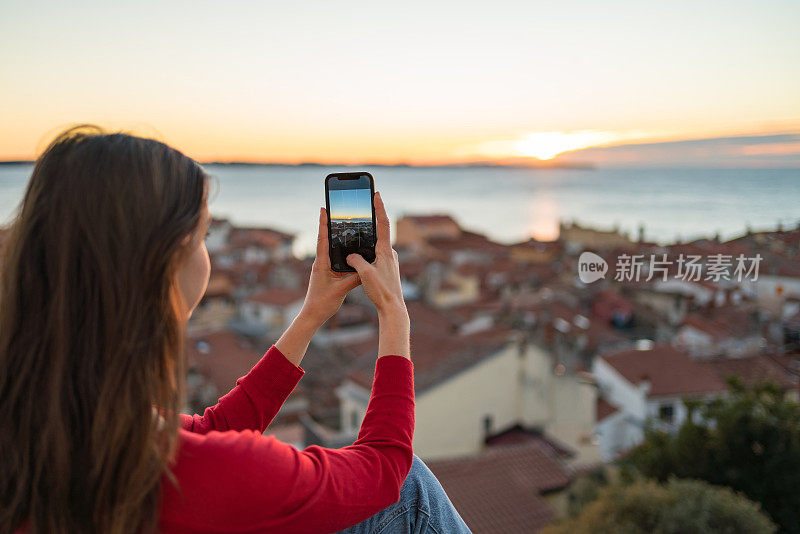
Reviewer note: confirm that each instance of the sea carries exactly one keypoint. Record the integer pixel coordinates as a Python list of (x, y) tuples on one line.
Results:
[(507, 204)]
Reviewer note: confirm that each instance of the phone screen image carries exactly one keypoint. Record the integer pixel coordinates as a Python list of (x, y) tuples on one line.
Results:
[(350, 212)]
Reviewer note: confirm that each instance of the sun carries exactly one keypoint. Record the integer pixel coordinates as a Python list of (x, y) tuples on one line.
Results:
[(547, 145)]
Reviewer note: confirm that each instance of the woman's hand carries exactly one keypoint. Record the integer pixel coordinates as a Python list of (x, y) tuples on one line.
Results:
[(326, 291), (381, 280), (326, 288)]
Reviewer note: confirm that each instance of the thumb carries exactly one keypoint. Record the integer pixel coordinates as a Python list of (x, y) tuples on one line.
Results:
[(357, 262), (351, 281)]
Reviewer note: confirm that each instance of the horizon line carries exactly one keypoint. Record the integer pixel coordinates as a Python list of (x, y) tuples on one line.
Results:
[(535, 164)]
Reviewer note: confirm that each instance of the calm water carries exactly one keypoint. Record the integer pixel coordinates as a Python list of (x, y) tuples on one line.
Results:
[(507, 204)]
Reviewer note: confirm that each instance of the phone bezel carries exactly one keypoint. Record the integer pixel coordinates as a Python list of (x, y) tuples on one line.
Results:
[(352, 176)]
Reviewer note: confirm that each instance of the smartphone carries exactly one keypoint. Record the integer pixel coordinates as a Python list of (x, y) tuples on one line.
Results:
[(351, 217)]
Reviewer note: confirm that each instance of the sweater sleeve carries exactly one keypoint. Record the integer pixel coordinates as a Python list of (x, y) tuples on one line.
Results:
[(255, 400), (246, 482)]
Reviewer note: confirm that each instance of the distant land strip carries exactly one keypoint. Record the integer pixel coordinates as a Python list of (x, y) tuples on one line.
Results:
[(475, 164)]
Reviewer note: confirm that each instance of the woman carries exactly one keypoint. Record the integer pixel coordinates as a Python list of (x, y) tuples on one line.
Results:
[(101, 270)]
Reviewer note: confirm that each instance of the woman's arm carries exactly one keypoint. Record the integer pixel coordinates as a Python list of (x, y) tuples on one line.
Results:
[(257, 397), (381, 281), (294, 341), (258, 483), (325, 294), (245, 482), (255, 400)]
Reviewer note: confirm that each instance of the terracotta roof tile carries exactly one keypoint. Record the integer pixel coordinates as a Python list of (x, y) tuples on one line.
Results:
[(604, 409), (277, 296), (219, 285), (517, 433), (607, 304), (467, 241), (500, 490), (222, 357), (716, 330), (430, 219), (265, 237), (755, 369), (437, 349), (669, 370)]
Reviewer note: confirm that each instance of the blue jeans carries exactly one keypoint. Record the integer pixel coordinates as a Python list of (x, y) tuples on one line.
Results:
[(423, 507)]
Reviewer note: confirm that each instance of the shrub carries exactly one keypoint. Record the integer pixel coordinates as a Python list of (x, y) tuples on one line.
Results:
[(749, 441), (677, 507)]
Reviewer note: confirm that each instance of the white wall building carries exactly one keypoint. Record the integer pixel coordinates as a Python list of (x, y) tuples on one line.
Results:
[(648, 386), (461, 402)]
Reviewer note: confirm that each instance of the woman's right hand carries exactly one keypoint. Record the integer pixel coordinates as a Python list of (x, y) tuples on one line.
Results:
[(381, 281)]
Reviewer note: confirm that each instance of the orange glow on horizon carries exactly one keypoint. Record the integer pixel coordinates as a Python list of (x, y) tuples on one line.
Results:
[(224, 143), (269, 84), (351, 217)]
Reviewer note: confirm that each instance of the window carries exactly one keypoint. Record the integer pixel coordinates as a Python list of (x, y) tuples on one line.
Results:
[(666, 413)]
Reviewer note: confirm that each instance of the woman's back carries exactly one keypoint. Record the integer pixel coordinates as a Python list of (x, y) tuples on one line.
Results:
[(101, 270)]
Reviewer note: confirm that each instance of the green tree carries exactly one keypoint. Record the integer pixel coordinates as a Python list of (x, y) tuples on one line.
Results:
[(678, 507), (748, 440)]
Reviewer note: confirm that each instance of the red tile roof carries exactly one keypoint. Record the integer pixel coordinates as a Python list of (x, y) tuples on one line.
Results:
[(466, 241), (519, 434), (351, 315), (754, 369), (219, 285), (724, 322), (538, 246), (278, 296), (607, 304), (222, 357), (712, 328), (437, 349), (412, 268), (430, 219), (669, 370), (500, 490), (604, 409), (264, 237)]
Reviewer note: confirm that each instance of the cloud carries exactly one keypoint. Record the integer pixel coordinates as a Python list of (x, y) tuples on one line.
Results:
[(769, 150)]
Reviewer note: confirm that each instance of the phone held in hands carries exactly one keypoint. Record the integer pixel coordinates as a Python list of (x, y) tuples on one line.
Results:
[(351, 217)]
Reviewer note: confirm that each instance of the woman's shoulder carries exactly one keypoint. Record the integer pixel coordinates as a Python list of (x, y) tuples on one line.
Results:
[(232, 450), (226, 468)]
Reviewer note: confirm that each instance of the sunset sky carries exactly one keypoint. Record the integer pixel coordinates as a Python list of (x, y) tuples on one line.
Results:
[(351, 204), (684, 83)]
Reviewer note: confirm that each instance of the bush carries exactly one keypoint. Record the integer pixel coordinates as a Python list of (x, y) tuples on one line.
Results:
[(584, 490), (677, 507), (749, 441)]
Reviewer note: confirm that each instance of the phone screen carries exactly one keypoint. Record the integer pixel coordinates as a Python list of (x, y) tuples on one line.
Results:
[(351, 218)]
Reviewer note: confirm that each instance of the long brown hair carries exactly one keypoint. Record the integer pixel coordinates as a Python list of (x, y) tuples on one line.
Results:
[(92, 331)]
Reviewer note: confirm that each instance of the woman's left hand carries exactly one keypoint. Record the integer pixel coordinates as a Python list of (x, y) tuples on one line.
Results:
[(326, 288)]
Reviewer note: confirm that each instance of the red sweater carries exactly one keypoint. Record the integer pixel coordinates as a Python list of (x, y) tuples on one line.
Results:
[(233, 479)]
